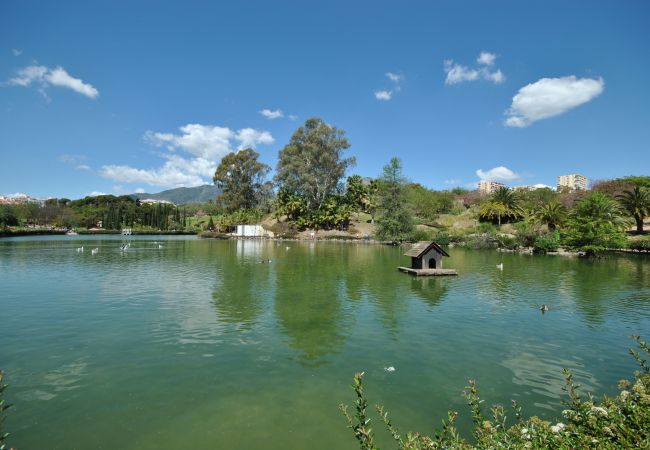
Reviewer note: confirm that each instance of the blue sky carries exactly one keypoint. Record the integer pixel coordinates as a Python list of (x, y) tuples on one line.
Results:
[(116, 97)]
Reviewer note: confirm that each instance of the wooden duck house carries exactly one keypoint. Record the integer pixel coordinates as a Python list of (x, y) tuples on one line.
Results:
[(426, 260)]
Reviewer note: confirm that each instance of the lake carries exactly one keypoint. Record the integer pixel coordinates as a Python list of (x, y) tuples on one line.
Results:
[(186, 343)]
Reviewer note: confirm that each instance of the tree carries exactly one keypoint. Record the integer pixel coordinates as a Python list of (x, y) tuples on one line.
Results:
[(356, 192), (241, 178), (503, 204), (493, 210), (596, 223), (553, 214), (311, 165), (637, 204), (394, 222), (211, 224), (7, 216)]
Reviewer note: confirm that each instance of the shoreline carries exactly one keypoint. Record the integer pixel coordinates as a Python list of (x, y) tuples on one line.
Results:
[(342, 239)]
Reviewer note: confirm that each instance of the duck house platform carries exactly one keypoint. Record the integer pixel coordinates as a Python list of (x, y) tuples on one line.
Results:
[(428, 272), (426, 260)]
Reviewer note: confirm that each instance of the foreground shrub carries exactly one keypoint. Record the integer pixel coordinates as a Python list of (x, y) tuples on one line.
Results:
[(619, 422)]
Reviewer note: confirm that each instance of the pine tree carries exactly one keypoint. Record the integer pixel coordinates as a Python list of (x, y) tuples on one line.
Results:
[(394, 223)]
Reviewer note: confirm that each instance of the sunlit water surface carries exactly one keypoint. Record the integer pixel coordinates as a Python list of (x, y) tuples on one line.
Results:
[(200, 345)]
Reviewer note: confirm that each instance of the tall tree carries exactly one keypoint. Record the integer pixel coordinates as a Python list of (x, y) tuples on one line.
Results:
[(311, 165), (241, 178), (637, 203), (394, 222)]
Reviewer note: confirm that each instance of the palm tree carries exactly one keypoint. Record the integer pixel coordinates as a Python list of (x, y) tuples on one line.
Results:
[(602, 208), (637, 203), (493, 210), (553, 214), (504, 203)]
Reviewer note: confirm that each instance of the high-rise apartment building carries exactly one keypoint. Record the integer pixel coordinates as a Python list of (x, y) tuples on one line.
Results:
[(574, 181), (488, 186)]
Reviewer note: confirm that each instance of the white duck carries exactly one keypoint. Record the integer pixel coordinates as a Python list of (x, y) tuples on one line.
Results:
[(94, 251), (500, 266)]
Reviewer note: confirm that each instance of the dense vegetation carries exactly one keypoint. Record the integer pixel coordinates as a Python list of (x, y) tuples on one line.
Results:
[(622, 421)]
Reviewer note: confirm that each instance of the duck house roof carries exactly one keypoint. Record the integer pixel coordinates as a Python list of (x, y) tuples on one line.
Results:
[(422, 247)]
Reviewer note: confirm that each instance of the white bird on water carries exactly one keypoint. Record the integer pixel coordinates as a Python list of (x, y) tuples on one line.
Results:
[(288, 248), (80, 249), (500, 266), (389, 369), (160, 246), (94, 251)]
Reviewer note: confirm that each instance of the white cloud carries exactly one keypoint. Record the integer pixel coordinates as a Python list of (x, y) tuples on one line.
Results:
[(395, 78), (293, 117), (457, 73), (139, 191), (550, 97), (203, 141), (28, 75), (59, 77), (16, 52), (383, 95), (96, 194), (206, 144), (486, 58), (387, 94), (83, 167), (500, 173), (269, 114), (249, 137), (496, 77), (45, 77)]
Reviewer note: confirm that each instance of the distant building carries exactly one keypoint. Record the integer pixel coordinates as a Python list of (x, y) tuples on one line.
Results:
[(574, 182), (155, 201), (489, 187), (18, 199), (530, 187)]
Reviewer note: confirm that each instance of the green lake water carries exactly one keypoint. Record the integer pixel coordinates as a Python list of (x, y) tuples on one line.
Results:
[(200, 345)]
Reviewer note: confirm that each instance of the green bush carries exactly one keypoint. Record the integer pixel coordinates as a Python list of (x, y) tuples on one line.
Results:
[(547, 243), (622, 421), (508, 242), (419, 234), (642, 244), (442, 238)]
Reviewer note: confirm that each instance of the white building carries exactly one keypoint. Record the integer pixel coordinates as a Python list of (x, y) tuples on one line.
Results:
[(573, 181), (250, 231), (531, 187)]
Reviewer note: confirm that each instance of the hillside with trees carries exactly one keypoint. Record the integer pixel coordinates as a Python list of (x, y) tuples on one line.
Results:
[(312, 191)]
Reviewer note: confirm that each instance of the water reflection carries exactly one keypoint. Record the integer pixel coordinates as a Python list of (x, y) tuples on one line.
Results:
[(430, 290), (242, 284), (308, 303)]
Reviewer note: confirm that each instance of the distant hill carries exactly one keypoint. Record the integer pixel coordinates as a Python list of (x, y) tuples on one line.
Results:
[(183, 195)]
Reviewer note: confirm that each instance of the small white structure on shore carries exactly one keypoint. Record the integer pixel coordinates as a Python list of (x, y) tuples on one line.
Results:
[(250, 231)]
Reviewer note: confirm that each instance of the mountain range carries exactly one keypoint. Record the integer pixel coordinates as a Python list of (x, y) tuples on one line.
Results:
[(183, 195)]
